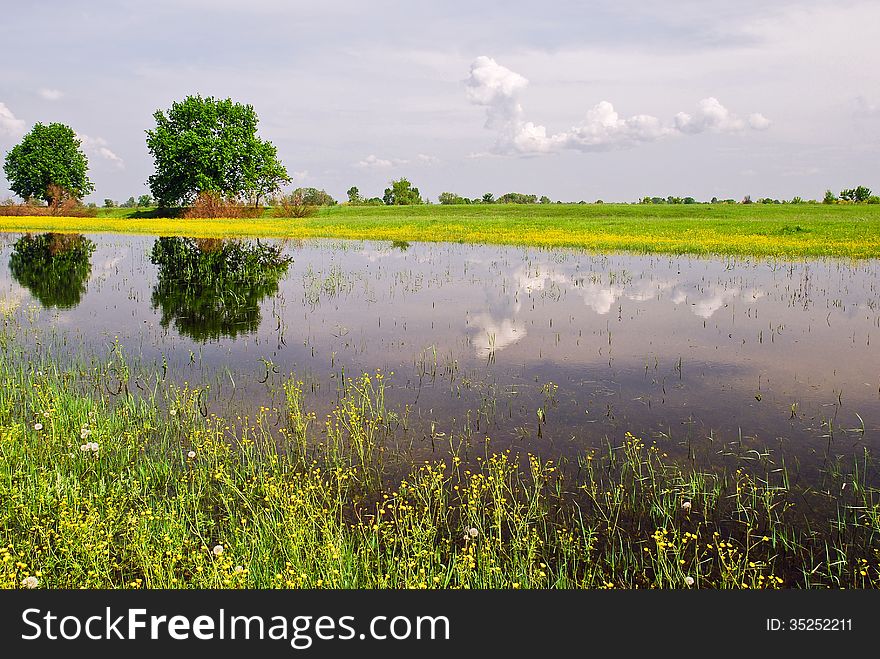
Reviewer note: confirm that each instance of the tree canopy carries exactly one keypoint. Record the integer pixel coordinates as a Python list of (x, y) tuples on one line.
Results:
[(401, 193), (210, 145), (315, 197), (517, 198), (48, 156)]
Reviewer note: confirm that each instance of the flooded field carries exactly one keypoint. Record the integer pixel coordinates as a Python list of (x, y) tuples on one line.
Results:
[(550, 352)]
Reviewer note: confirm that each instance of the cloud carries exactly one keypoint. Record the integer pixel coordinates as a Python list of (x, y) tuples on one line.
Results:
[(372, 162), (497, 88), (10, 126), (427, 160), (50, 94), (300, 175), (758, 121), (98, 146)]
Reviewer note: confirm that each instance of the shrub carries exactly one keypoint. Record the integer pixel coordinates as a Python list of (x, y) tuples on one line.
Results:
[(294, 205), (211, 204), (62, 204)]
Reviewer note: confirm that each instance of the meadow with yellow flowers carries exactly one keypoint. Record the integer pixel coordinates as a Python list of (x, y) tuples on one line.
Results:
[(777, 230)]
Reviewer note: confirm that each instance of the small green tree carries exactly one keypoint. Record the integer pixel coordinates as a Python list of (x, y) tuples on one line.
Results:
[(354, 195), (545, 199), (829, 198), (48, 156), (857, 195), (315, 197), (402, 193), (448, 198), (488, 198), (210, 145), (144, 200), (517, 198), (109, 203)]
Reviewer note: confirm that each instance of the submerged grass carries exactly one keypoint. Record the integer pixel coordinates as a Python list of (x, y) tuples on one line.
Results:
[(121, 491), (801, 230)]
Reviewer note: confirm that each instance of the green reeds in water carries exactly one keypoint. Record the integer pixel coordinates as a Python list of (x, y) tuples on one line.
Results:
[(145, 489)]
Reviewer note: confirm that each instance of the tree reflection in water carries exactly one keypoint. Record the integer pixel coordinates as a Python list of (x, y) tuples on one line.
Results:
[(54, 267), (211, 288)]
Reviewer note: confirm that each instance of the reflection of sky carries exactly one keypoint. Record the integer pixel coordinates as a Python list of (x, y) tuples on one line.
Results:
[(654, 339), (502, 322)]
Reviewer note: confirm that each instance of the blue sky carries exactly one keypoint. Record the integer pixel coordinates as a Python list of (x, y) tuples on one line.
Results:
[(575, 100)]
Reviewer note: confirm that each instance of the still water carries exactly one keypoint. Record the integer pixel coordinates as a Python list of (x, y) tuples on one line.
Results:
[(547, 351)]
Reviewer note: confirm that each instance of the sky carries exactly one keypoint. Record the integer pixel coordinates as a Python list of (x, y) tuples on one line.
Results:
[(576, 100)]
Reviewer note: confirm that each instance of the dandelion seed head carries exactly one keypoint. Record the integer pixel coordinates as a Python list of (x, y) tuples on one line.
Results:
[(30, 582), (218, 549), (472, 532), (191, 455), (686, 506), (38, 426), (689, 581)]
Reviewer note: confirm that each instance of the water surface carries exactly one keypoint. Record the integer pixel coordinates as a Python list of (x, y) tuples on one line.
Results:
[(552, 352)]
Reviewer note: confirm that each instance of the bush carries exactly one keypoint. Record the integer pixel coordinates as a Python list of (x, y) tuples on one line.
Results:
[(293, 205), (62, 205), (211, 204)]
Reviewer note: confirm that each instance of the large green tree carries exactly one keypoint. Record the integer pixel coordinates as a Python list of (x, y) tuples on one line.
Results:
[(211, 145), (48, 156)]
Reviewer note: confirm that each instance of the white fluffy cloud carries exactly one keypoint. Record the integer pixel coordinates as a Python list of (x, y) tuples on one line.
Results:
[(713, 117), (373, 162), (10, 126), (98, 146), (497, 88), (50, 94)]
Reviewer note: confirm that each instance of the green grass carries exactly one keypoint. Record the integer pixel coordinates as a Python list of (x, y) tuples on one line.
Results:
[(121, 491), (803, 230)]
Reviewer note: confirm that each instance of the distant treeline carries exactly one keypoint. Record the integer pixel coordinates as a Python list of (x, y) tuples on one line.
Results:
[(403, 193)]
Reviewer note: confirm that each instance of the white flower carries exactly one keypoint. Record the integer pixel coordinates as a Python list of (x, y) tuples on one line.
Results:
[(172, 412), (218, 549), (238, 569), (191, 455), (93, 446), (686, 506), (38, 426), (689, 581), (85, 432), (47, 414), (30, 582), (85, 447), (472, 532)]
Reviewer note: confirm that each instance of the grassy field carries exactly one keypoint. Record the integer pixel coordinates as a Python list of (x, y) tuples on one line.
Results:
[(804, 230), (101, 488)]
